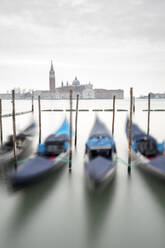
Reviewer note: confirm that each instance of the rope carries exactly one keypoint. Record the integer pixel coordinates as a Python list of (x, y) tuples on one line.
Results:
[(122, 161), (65, 160), (23, 160), (133, 163)]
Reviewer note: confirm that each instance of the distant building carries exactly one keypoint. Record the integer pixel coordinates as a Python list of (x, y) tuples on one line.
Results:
[(45, 94), (108, 94), (154, 96), (5, 96)]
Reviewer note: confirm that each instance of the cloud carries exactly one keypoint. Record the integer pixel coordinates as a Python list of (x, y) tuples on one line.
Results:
[(97, 36), (81, 22)]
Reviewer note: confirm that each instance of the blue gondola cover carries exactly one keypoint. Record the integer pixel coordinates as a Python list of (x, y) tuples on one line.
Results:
[(30, 169), (99, 137)]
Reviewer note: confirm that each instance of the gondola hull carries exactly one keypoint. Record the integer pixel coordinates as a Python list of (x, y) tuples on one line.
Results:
[(36, 169), (100, 157), (153, 165), (101, 181), (43, 164), (22, 151)]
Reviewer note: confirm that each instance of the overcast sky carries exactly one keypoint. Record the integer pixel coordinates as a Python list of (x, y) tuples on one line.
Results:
[(111, 43)]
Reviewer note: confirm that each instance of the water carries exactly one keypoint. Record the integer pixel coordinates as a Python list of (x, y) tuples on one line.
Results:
[(60, 212)]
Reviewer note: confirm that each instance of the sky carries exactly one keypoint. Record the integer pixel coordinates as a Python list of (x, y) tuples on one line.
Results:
[(114, 44)]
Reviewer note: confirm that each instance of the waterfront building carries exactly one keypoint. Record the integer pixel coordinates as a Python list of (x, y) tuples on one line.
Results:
[(154, 96), (108, 94), (85, 91)]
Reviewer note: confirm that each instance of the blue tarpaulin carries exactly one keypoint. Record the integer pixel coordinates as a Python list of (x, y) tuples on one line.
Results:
[(137, 133), (99, 136), (100, 142), (64, 129)]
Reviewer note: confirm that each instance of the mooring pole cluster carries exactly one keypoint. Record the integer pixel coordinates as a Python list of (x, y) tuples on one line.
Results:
[(132, 109)]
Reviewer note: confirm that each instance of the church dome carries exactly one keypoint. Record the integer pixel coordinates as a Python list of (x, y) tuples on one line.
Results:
[(76, 82)]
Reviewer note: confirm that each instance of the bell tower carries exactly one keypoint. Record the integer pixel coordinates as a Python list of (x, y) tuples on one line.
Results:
[(52, 81)]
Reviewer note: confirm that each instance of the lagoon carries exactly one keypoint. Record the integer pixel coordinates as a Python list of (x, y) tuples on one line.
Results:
[(61, 212)]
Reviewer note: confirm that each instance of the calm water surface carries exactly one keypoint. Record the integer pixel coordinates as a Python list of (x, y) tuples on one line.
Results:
[(60, 212)]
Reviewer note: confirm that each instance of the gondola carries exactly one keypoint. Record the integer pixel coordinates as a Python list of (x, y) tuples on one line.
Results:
[(24, 140), (100, 156), (147, 152), (51, 155)]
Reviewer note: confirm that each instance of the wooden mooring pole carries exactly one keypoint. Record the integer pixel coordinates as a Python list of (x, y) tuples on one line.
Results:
[(1, 130), (70, 151), (39, 118), (134, 104), (14, 129), (148, 121), (130, 132), (113, 117), (76, 120), (32, 102)]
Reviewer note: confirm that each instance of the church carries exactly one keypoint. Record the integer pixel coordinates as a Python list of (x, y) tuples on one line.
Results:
[(85, 91)]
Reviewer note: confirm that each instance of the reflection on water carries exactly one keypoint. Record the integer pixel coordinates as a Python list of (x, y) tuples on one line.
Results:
[(61, 212), (97, 207), (32, 197), (156, 186)]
